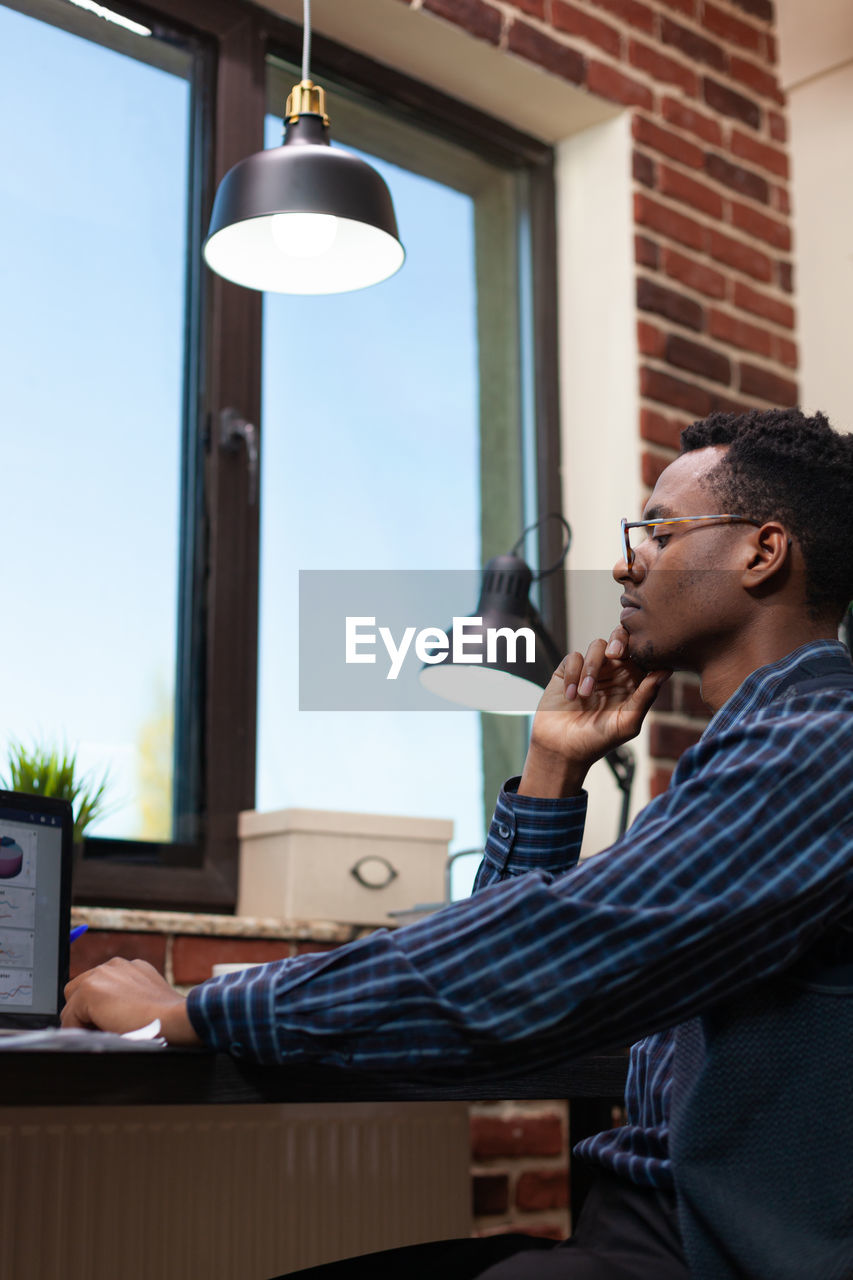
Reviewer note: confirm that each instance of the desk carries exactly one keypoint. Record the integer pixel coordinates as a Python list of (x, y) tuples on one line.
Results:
[(186, 1163)]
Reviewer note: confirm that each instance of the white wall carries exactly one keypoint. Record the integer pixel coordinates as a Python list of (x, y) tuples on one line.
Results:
[(816, 63)]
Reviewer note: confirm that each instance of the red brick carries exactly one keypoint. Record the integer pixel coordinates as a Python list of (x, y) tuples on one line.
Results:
[(669, 741), (785, 351), (662, 301), (660, 429), (758, 224), (767, 385), (614, 85), (695, 46), (536, 8), (687, 7), (785, 276), (778, 126), (685, 117), (696, 358), (771, 49), (651, 467), (729, 103), (630, 11), (763, 82), (665, 389), (490, 1194), (780, 200), (542, 1189), (740, 333), (735, 176), (762, 9), (309, 948), (690, 700), (671, 144), (193, 957), (478, 18), (761, 304), (97, 946), (669, 222), (660, 781), (759, 153), (650, 340), (662, 68), (514, 1136), (646, 252), (533, 44), (643, 169), (731, 29), (579, 22), (678, 186), (743, 257), (696, 275)]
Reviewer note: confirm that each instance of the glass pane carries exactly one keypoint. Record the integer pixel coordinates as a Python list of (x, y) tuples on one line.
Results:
[(372, 460), (93, 217)]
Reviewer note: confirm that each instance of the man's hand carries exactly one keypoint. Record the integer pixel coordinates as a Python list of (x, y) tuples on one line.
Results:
[(123, 995), (592, 704)]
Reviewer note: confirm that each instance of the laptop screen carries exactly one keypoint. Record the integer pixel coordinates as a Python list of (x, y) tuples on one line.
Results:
[(35, 899)]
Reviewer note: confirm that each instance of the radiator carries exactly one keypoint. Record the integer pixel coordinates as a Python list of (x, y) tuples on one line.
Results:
[(225, 1192)]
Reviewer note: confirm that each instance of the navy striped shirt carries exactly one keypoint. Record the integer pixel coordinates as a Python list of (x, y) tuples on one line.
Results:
[(722, 881)]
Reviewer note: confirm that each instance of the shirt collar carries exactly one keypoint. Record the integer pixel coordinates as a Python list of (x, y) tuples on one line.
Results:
[(760, 685)]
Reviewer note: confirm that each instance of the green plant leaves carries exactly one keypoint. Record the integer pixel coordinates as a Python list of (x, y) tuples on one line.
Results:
[(44, 771)]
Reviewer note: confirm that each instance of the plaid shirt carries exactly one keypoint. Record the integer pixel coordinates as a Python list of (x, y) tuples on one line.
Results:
[(722, 881)]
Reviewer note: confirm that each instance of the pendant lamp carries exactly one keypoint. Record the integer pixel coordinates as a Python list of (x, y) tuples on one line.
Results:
[(303, 218)]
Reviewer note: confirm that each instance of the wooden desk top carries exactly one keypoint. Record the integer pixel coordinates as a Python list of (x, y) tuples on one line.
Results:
[(187, 1077)]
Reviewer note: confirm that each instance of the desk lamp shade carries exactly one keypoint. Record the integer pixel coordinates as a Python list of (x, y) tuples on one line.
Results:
[(507, 682), (303, 218)]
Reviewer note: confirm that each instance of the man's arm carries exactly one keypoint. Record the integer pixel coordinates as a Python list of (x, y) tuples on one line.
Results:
[(721, 882)]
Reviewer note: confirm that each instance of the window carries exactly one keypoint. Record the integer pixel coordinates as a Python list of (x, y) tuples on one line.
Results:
[(164, 663)]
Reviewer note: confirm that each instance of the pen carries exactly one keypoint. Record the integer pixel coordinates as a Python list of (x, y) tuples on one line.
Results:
[(76, 933)]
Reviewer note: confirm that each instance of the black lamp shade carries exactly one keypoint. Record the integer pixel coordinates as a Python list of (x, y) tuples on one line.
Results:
[(511, 680), (303, 218)]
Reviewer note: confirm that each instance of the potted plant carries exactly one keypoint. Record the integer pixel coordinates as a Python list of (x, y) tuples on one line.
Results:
[(45, 771)]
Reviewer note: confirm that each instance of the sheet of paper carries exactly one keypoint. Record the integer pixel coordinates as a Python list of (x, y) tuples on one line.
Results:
[(61, 1040)]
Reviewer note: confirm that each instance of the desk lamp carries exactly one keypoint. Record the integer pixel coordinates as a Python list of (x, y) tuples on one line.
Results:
[(508, 677)]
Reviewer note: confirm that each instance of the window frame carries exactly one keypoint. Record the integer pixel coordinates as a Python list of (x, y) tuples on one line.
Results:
[(216, 684)]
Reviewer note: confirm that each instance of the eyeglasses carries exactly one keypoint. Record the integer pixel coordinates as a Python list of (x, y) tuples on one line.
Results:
[(628, 552)]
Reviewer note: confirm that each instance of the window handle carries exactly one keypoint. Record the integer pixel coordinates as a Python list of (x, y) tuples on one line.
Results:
[(232, 429)]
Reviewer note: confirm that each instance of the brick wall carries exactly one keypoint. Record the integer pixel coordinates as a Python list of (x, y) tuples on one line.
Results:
[(520, 1168), (714, 275)]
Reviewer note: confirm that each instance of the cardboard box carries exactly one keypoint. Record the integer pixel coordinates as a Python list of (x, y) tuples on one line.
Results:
[(311, 864)]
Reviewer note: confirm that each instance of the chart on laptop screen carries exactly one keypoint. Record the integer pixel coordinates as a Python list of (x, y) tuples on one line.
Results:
[(18, 870)]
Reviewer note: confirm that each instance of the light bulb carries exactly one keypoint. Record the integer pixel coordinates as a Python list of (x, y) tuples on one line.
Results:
[(303, 235)]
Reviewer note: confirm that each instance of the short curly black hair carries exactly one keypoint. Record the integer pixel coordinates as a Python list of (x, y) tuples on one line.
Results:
[(783, 465)]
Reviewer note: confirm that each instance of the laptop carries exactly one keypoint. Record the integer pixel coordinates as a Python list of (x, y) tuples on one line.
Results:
[(35, 906)]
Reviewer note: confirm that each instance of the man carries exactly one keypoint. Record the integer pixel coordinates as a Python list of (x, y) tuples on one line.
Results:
[(717, 928)]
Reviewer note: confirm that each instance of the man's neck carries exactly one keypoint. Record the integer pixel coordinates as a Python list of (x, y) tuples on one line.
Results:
[(725, 672)]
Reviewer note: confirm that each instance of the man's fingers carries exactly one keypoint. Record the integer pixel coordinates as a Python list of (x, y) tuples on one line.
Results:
[(572, 666), (617, 645), (647, 690), (591, 667)]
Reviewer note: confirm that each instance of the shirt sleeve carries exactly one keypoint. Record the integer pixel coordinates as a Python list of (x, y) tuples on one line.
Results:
[(529, 834), (722, 881)]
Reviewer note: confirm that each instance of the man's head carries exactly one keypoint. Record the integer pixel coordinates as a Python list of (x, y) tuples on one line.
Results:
[(791, 476)]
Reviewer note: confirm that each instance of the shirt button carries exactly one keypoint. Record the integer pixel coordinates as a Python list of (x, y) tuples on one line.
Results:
[(237, 1050), (503, 832)]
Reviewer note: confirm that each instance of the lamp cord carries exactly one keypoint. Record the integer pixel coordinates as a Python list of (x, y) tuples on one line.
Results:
[(567, 528), (306, 38)]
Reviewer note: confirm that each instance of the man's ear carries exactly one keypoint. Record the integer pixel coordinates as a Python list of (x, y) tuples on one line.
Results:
[(769, 556)]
